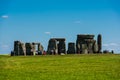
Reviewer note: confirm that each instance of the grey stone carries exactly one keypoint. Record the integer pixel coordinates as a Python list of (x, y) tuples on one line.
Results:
[(71, 48), (26, 49), (56, 46), (85, 43), (99, 42)]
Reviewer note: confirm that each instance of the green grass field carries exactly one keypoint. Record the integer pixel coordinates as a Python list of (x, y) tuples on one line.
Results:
[(58, 67)]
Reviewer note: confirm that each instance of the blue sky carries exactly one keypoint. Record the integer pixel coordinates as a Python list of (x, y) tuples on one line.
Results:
[(39, 20)]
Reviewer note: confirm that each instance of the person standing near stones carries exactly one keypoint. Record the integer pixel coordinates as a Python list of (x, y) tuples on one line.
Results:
[(44, 52)]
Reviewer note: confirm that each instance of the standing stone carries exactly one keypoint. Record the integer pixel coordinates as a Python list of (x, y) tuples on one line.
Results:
[(84, 43), (52, 46), (22, 49), (71, 48), (26, 49), (29, 49), (95, 47), (84, 48), (17, 47), (56, 46), (85, 51), (40, 49), (78, 47), (90, 47), (61, 47), (99, 42), (34, 48)]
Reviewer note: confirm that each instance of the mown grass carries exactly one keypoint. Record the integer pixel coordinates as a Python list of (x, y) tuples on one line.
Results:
[(57, 67)]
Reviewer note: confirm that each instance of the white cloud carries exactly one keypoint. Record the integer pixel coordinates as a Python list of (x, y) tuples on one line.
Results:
[(4, 16), (48, 33), (110, 44), (105, 45), (4, 46), (77, 22), (113, 44)]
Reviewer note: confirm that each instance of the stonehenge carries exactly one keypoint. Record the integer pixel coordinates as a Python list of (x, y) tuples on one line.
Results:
[(19, 48), (85, 44), (26, 49), (56, 46)]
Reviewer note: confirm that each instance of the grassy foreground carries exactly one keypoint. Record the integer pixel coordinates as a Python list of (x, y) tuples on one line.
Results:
[(58, 67)]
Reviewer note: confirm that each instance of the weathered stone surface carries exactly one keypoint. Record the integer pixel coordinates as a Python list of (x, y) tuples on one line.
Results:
[(26, 49), (37, 48), (16, 47), (29, 50), (95, 47), (90, 48), (56, 46), (52, 47), (40, 49), (85, 43), (99, 42), (78, 46), (85, 51), (19, 48), (84, 36), (71, 48), (61, 47)]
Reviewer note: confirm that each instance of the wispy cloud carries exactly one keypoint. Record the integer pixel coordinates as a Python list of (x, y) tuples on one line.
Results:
[(77, 22), (4, 16), (5, 46), (113, 44), (48, 33), (110, 44), (105, 45)]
